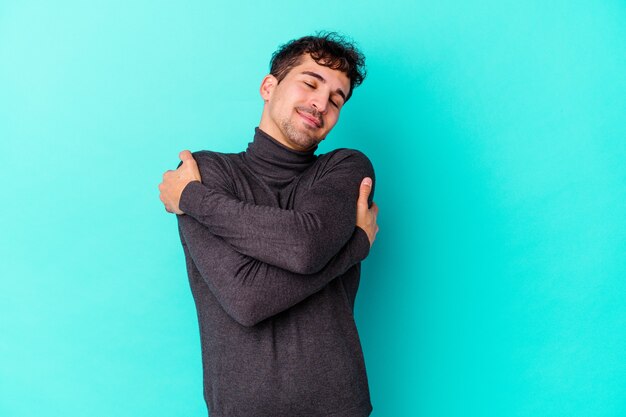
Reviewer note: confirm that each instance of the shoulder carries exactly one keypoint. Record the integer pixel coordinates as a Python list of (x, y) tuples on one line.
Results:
[(343, 153), (215, 167), (210, 158), (352, 159)]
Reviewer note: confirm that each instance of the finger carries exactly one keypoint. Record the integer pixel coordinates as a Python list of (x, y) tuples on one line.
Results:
[(185, 155), (364, 190), (375, 208)]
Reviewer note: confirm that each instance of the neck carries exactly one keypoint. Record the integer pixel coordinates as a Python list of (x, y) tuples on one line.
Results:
[(274, 160)]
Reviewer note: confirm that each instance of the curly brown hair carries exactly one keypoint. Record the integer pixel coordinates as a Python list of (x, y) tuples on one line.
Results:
[(329, 49)]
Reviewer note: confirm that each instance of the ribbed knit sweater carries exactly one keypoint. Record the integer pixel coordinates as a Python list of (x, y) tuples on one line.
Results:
[(273, 257)]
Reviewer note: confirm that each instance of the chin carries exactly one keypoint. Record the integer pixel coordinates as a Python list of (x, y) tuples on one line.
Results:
[(299, 136), (306, 144)]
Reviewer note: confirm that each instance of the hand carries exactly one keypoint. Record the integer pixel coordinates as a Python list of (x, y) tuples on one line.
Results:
[(365, 216), (174, 182)]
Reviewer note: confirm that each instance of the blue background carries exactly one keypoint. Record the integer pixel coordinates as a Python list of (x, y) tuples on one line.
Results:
[(496, 286)]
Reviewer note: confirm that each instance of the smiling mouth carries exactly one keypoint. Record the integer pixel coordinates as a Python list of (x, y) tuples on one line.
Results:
[(312, 120)]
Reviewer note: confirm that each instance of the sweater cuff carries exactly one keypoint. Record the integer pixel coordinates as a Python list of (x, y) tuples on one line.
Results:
[(362, 243), (191, 197)]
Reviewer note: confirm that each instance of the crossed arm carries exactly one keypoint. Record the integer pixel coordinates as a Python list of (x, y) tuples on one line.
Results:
[(287, 254), (249, 290), (302, 239)]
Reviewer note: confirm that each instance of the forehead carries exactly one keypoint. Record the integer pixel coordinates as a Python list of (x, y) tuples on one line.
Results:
[(335, 78)]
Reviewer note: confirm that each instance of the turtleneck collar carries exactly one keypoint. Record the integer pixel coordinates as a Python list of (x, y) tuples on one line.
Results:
[(270, 158)]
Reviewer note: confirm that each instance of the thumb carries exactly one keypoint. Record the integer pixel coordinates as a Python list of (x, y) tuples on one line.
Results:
[(364, 191), (185, 156)]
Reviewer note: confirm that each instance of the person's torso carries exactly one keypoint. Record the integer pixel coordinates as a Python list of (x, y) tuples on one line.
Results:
[(306, 360)]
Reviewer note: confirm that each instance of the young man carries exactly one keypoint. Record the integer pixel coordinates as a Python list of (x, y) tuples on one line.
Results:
[(273, 238)]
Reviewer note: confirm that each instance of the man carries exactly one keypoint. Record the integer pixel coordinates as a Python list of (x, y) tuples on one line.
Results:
[(273, 239)]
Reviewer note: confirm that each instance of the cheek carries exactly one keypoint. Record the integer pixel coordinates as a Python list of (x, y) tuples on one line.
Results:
[(300, 94), (332, 119), (279, 108)]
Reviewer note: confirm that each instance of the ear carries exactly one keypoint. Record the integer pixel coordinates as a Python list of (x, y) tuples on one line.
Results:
[(267, 86)]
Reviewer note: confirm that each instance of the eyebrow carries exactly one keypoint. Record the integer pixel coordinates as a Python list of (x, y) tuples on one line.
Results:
[(319, 77)]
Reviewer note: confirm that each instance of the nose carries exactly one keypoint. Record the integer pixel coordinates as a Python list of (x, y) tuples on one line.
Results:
[(320, 103)]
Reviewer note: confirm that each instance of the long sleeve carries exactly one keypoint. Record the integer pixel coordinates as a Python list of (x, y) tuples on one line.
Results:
[(250, 290), (303, 239)]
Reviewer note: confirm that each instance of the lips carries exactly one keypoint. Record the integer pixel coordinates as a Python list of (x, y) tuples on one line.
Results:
[(310, 118)]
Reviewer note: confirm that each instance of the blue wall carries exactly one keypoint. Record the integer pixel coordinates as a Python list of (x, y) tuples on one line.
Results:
[(496, 286)]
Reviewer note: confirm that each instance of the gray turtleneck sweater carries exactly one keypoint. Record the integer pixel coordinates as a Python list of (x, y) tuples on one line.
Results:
[(273, 257)]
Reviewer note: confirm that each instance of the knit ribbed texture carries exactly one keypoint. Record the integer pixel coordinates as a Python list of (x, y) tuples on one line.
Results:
[(273, 257)]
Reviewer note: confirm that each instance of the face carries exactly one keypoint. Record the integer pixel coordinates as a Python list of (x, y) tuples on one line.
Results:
[(304, 107)]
